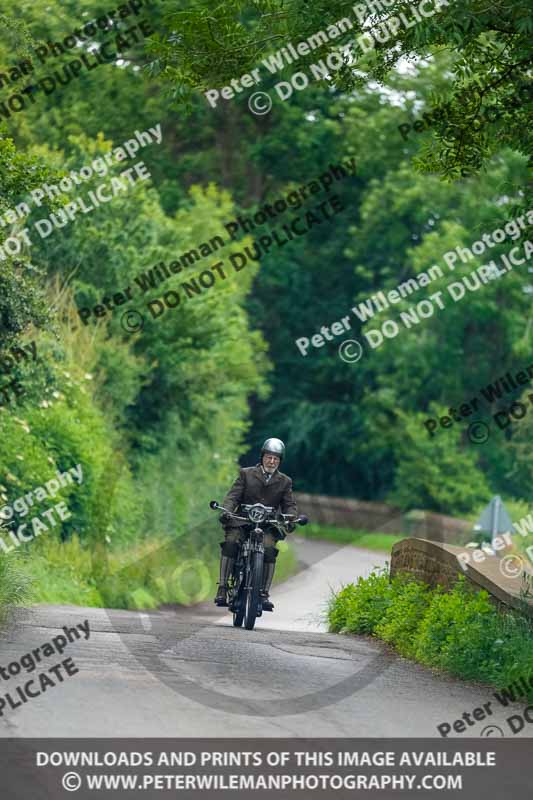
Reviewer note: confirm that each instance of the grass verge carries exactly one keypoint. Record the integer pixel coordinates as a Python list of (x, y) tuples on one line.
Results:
[(459, 631), (370, 541), (154, 573)]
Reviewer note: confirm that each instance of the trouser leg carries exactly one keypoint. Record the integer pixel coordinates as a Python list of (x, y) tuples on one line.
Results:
[(225, 569), (269, 566), (228, 554), (268, 573)]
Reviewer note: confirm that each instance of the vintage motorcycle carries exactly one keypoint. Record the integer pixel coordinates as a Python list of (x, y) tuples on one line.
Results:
[(244, 585)]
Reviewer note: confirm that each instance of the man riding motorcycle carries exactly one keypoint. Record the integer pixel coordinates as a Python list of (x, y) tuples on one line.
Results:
[(265, 484)]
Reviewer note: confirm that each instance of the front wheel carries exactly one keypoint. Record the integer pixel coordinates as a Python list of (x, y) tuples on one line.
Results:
[(238, 601), (252, 590), (238, 615)]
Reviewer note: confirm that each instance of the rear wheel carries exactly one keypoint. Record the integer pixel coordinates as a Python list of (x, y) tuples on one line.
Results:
[(252, 590)]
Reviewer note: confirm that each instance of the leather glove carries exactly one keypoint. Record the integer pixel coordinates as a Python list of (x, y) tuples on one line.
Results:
[(224, 518)]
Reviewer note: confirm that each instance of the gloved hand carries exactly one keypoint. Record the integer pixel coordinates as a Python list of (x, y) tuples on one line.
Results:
[(290, 527), (224, 518)]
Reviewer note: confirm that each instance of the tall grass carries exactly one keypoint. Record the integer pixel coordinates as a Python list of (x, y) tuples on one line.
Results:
[(14, 586), (158, 571)]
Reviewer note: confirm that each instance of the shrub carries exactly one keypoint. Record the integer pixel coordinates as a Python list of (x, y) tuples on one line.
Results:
[(403, 616), (359, 608), (460, 631)]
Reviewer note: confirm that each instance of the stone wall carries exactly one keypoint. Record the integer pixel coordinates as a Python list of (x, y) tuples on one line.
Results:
[(382, 518), (436, 564), (427, 561)]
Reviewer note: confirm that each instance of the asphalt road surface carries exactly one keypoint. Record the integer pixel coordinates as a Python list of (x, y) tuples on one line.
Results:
[(189, 672)]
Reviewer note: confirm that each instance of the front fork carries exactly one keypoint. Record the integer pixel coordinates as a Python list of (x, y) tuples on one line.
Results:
[(242, 570), (253, 544)]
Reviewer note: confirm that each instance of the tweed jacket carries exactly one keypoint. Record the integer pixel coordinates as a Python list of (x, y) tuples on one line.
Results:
[(252, 487)]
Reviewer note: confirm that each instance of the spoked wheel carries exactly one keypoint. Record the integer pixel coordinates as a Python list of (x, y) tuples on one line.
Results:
[(238, 602), (238, 615), (252, 591)]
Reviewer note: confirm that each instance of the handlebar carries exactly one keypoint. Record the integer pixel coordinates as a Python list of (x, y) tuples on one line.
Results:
[(216, 507), (286, 518)]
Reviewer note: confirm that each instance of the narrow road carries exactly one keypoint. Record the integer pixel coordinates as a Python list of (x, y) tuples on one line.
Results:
[(189, 672)]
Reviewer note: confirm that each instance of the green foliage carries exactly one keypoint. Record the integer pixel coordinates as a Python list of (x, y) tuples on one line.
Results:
[(488, 46), (401, 620), (434, 473), (399, 224), (59, 426), (340, 606), (459, 631), (166, 414), (286, 562), (146, 575), (15, 586), (517, 437), (154, 421), (370, 541), (358, 608), (21, 297)]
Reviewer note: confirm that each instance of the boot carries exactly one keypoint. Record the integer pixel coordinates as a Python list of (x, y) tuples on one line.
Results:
[(268, 574), (226, 568)]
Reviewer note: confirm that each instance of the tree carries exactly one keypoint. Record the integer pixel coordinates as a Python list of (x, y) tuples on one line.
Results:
[(22, 300), (436, 474), (488, 46)]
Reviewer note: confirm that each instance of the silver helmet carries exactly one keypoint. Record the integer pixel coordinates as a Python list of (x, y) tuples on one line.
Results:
[(274, 446)]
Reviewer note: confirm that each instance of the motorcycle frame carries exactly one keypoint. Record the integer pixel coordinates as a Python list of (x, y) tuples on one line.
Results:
[(253, 543)]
